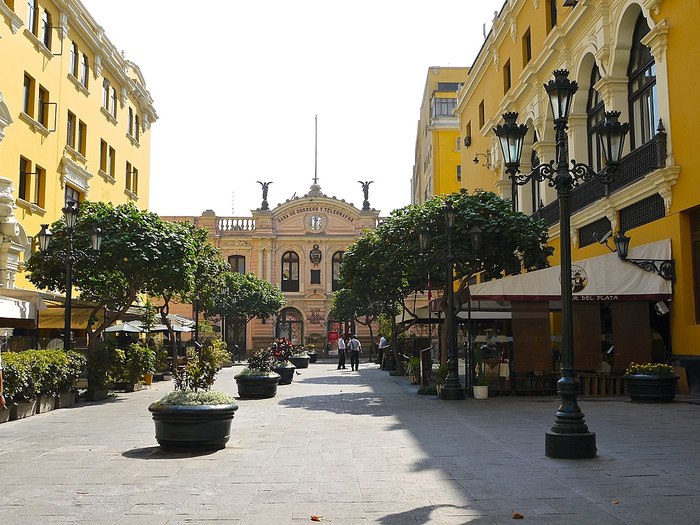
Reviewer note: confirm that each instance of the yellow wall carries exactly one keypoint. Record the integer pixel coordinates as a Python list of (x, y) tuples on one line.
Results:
[(587, 34), (437, 139), (23, 53)]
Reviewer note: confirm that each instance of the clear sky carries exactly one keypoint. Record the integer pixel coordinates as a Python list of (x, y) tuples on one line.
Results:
[(237, 83)]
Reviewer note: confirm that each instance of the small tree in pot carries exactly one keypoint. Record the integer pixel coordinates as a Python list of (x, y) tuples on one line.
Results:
[(283, 351), (194, 417)]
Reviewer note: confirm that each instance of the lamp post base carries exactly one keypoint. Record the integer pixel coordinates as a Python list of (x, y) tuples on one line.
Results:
[(569, 446), (452, 393)]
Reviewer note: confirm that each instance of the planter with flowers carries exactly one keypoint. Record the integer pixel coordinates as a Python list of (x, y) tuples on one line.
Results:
[(193, 417), (282, 350), (300, 357), (258, 380), (651, 382)]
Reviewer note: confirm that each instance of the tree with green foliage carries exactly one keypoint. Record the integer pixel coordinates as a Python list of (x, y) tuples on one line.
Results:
[(140, 253), (245, 297), (386, 265), (346, 305)]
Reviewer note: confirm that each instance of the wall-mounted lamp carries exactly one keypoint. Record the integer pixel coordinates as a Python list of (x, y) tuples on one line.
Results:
[(486, 159), (666, 268)]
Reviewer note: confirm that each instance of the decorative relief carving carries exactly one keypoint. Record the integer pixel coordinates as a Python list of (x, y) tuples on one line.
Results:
[(513, 30), (657, 40)]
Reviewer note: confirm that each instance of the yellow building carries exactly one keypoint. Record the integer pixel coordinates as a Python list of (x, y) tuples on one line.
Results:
[(75, 119), (437, 167), (298, 246), (637, 57)]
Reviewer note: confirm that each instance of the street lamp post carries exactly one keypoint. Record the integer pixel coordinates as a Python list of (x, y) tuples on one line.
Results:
[(569, 437), (70, 215), (453, 389)]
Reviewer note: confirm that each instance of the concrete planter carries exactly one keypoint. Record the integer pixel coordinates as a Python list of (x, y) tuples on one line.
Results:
[(481, 391), (198, 427), (23, 409), (286, 374), (300, 361), (4, 415), (45, 404), (257, 387), (65, 399), (651, 389), (96, 395)]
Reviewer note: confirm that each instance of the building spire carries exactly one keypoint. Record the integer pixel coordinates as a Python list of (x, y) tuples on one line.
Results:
[(315, 150)]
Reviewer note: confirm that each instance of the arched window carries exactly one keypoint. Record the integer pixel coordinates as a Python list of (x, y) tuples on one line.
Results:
[(337, 259), (237, 263), (595, 111), (642, 88), (290, 272)]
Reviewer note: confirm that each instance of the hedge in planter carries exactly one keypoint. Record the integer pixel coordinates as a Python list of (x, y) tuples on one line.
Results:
[(31, 374)]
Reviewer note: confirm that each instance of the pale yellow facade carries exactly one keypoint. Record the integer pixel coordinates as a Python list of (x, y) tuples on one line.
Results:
[(75, 122), (437, 168), (638, 57), (297, 246)]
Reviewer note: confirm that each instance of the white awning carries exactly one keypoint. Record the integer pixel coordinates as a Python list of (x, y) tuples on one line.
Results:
[(603, 278)]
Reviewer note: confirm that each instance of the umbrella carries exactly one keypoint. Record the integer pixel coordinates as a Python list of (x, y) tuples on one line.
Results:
[(176, 328), (124, 327)]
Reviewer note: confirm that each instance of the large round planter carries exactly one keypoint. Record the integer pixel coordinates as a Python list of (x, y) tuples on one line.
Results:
[(300, 361), (481, 391), (286, 374), (651, 389), (257, 387), (313, 357), (196, 427)]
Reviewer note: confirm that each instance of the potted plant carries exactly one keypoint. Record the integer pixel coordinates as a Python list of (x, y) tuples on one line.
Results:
[(311, 351), (651, 382), (481, 382), (300, 357), (258, 380), (130, 365), (440, 376), (413, 367), (99, 362), (282, 351), (194, 417)]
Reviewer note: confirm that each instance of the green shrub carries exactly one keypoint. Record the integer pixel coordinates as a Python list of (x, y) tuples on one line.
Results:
[(99, 363), (414, 365), (32, 373), (162, 364), (429, 390), (190, 398), (130, 364), (441, 374), (200, 371)]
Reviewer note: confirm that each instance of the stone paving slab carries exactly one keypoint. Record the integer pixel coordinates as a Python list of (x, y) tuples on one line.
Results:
[(355, 448)]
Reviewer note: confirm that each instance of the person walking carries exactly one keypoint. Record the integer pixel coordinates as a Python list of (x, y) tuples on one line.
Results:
[(341, 353), (382, 345), (355, 347)]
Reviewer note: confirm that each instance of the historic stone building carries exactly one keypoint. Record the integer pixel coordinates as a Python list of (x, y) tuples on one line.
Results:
[(298, 246)]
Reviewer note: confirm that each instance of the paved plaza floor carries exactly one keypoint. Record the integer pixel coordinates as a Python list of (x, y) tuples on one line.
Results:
[(353, 448)]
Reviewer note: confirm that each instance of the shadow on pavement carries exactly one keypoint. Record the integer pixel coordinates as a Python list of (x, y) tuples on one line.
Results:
[(158, 453), (419, 515), (344, 403)]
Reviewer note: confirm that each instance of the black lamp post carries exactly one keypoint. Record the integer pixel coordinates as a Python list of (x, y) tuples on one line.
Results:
[(70, 215), (569, 437), (453, 389)]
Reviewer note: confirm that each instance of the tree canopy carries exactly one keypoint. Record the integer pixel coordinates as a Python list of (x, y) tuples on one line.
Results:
[(386, 265), (245, 297)]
